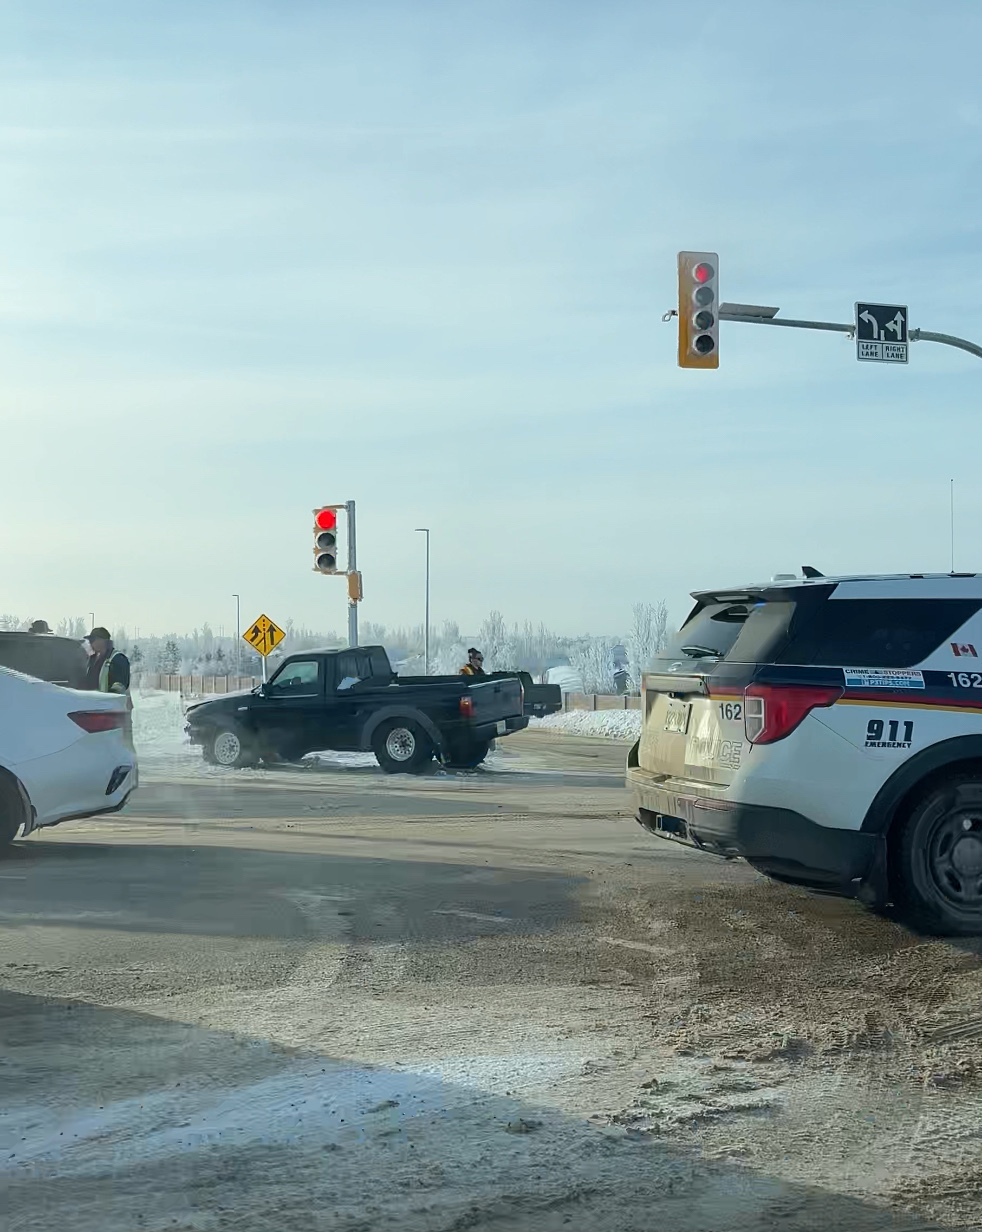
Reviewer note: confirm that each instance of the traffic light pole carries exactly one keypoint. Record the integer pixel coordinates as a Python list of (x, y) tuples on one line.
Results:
[(349, 508), (915, 335)]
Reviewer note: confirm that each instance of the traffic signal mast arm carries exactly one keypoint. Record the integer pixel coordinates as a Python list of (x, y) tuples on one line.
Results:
[(751, 314)]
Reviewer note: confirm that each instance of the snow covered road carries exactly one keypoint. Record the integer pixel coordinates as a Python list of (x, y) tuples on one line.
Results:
[(323, 998)]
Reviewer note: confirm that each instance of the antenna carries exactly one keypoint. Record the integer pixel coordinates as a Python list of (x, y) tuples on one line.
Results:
[(951, 491)]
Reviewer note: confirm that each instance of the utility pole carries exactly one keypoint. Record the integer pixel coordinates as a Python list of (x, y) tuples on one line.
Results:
[(425, 530), (349, 508)]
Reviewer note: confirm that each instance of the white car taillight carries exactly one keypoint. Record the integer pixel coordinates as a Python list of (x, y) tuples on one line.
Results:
[(98, 720)]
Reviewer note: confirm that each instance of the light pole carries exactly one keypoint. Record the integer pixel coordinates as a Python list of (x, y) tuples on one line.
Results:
[(425, 530), (237, 631)]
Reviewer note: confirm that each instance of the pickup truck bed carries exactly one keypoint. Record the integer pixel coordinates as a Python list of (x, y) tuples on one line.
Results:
[(351, 699)]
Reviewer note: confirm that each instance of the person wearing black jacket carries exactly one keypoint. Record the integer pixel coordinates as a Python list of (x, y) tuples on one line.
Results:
[(109, 669), (109, 672)]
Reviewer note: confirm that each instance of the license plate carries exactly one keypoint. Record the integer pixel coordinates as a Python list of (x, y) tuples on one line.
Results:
[(677, 717), (502, 727)]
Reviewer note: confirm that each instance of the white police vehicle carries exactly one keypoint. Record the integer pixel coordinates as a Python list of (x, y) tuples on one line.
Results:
[(828, 730)]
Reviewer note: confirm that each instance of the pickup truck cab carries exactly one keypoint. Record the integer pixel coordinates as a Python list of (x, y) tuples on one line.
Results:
[(352, 699)]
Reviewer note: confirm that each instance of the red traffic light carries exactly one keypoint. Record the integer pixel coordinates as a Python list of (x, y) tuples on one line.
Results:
[(326, 519), (703, 272)]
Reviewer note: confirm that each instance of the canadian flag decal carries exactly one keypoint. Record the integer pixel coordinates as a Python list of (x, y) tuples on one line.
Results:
[(964, 649)]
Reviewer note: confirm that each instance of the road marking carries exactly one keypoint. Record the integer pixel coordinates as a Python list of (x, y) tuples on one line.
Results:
[(474, 915), (635, 945)]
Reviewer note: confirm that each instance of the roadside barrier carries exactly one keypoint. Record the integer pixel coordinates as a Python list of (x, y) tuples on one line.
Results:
[(196, 685), (601, 701)]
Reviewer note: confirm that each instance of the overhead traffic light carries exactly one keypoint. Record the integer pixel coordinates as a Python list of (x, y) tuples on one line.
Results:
[(326, 539), (698, 310)]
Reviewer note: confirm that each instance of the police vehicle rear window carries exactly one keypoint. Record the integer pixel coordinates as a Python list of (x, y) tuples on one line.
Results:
[(744, 631), (873, 632)]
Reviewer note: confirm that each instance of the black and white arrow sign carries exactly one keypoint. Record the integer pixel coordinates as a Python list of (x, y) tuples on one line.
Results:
[(881, 333)]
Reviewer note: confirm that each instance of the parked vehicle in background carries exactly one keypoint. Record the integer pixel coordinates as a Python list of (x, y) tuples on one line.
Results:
[(60, 660), (62, 754), (540, 699), (829, 730), (352, 699)]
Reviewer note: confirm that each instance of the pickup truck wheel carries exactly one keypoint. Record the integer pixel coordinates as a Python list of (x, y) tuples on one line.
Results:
[(469, 755), (937, 859), (229, 746), (401, 747)]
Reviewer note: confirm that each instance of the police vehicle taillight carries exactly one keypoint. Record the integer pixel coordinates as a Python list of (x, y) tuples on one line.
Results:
[(773, 711)]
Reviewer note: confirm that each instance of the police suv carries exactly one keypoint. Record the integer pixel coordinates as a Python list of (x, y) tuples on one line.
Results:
[(828, 730)]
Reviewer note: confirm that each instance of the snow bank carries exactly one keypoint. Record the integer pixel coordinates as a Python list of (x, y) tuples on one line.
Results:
[(162, 744), (158, 727), (613, 724)]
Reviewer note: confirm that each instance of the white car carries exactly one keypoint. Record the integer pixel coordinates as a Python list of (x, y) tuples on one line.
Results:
[(62, 754), (829, 730)]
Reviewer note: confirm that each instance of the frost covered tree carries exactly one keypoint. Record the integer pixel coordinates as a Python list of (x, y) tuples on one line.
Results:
[(649, 634), (594, 660), (493, 642), (448, 654), (169, 662)]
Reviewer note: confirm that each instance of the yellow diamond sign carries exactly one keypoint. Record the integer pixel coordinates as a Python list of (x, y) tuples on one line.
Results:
[(263, 636)]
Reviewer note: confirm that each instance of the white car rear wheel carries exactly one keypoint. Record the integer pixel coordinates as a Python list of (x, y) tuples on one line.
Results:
[(12, 810)]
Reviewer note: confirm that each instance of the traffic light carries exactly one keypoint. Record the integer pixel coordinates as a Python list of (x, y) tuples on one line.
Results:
[(698, 310), (326, 539)]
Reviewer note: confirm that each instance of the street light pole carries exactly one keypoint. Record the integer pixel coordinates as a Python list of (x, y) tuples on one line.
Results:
[(237, 633), (425, 530), (349, 508)]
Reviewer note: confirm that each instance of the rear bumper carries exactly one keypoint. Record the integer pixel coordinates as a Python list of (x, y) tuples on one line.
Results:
[(779, 842), (489, 731)]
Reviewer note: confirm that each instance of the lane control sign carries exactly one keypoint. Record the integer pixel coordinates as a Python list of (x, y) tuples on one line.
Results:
[(263, 636), (881, 333)]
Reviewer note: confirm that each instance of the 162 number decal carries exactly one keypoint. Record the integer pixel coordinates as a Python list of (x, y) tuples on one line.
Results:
[(965, 680), (731, 710)]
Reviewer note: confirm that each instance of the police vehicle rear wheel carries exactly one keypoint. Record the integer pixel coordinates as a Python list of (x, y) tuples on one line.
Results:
[(938, 859)]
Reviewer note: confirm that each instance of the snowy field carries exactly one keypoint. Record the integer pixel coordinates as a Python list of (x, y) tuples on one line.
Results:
[(610, 724)]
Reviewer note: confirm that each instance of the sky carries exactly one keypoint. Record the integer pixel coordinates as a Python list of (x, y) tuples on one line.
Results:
[(263, 256)]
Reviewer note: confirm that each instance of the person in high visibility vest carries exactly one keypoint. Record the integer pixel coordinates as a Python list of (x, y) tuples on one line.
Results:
[(474, 665), (109, 672)]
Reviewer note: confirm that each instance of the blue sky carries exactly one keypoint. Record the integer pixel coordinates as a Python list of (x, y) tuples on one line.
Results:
[(262, 256)]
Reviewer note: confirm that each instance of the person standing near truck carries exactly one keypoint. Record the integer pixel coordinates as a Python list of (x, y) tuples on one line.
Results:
[(474, 665), (109, 672)]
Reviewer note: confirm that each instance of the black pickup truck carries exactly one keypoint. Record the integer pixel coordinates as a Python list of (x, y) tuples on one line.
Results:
[(352, 699)]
